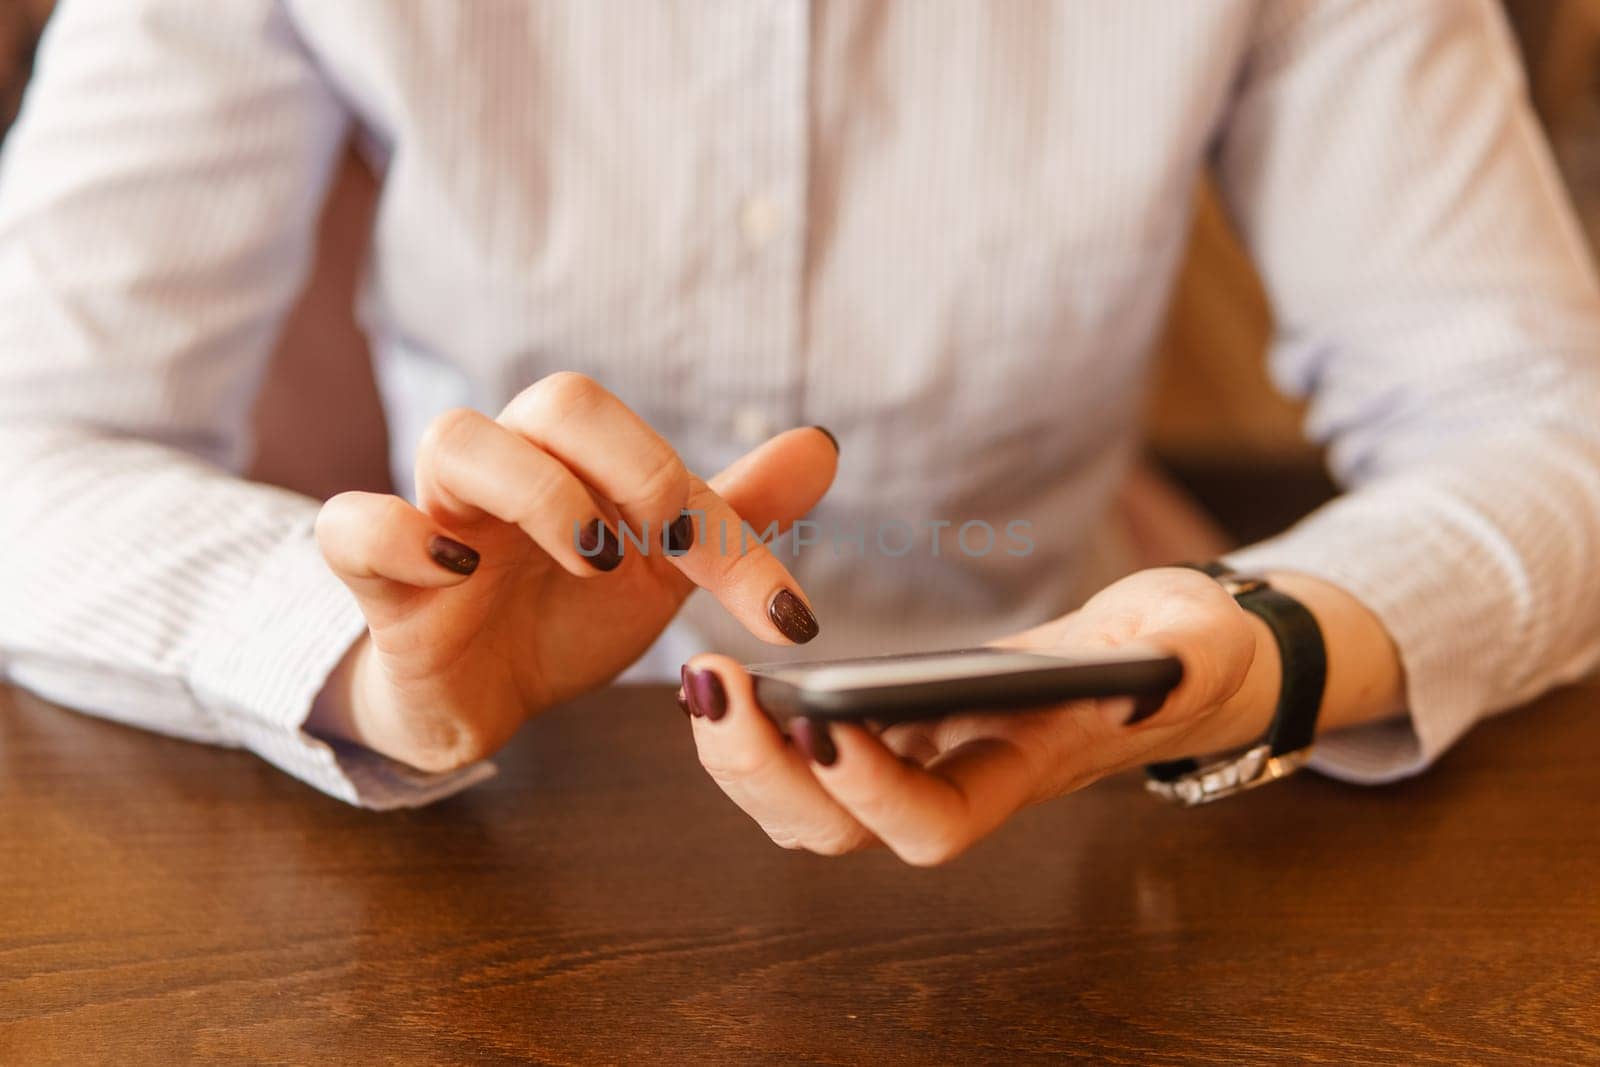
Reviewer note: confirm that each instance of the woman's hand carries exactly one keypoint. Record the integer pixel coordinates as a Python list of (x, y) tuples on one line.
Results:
[(928, 790), (507, 590)]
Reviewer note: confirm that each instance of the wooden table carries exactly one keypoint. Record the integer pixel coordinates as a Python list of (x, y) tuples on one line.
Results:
[(600, 902)]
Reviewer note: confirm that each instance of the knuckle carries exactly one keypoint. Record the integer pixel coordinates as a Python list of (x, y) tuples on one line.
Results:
[(837, 842), (735, 568), (917, 747), (560, 395), (330, 518), (785, 837), (541, 487), (441, 746), (446, 432), (933, 851), (352, 529), (665, 478), (391, 513), (738, 765)]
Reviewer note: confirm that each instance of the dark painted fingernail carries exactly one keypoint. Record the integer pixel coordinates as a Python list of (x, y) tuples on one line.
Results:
[(811, 737), (832, 440), (683, 690), (1144, 707), (683, 703), (680, 535), (707, 698), (600, 546), (792, 618), (452, 555)]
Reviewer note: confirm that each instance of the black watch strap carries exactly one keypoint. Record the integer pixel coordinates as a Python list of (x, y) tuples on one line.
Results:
[(1304, 660)]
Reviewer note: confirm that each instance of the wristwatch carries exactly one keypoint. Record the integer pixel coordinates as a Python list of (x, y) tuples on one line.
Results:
[(1287, 744)]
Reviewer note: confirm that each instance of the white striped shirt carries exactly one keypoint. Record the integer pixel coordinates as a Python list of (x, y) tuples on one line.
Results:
[(945, 230)]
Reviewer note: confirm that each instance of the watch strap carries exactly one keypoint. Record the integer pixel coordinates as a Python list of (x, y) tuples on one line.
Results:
[(1303, 657)]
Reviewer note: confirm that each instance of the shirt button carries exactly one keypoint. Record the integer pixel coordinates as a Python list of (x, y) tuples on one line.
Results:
[(751, 426), (760, 218)]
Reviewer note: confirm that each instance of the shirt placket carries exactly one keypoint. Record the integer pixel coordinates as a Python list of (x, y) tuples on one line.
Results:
[(765, 223)]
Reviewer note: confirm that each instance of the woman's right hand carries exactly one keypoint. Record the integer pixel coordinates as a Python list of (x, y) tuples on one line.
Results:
[(481, 608)]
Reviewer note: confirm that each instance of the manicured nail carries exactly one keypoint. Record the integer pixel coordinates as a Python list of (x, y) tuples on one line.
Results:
[(832, 440), (452, 555), (1144, 707), (600, 546), (683, 690), (680, 535), (707, 698), (792, 618), (683, 703), (811, 737)]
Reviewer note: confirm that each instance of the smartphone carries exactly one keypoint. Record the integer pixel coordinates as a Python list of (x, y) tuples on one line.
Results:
[(926, 685)]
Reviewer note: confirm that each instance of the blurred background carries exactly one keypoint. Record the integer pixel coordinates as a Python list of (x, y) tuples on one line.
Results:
[(1215, 424)]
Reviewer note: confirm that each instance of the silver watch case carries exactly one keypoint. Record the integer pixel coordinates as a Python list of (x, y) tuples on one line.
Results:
[(1223, 778)]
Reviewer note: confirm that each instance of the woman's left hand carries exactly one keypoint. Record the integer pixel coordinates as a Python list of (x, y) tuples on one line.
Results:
[(928, 790)]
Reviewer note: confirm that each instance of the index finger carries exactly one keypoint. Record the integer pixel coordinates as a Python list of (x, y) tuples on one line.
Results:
[(730, 560)]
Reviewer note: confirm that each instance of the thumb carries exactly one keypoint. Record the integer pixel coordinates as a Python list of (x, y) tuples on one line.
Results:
[(782, 479)]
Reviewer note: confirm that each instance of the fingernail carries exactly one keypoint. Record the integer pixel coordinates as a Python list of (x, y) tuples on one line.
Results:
[(1144, 707), (601, 547), (683, 690), (680, 535), (832, 440), (683, 704), (452, 555), (811, 737), (707, 698), (792, 618)]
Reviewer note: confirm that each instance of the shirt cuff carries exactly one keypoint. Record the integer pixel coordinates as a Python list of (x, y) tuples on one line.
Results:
[(1411, 565), (270, 655)]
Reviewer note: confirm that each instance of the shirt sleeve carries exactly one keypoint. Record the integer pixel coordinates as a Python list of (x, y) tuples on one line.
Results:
[(1435, 303), (158, 202)]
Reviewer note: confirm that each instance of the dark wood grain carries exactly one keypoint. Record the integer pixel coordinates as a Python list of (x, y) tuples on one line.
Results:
[(600, 902)]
